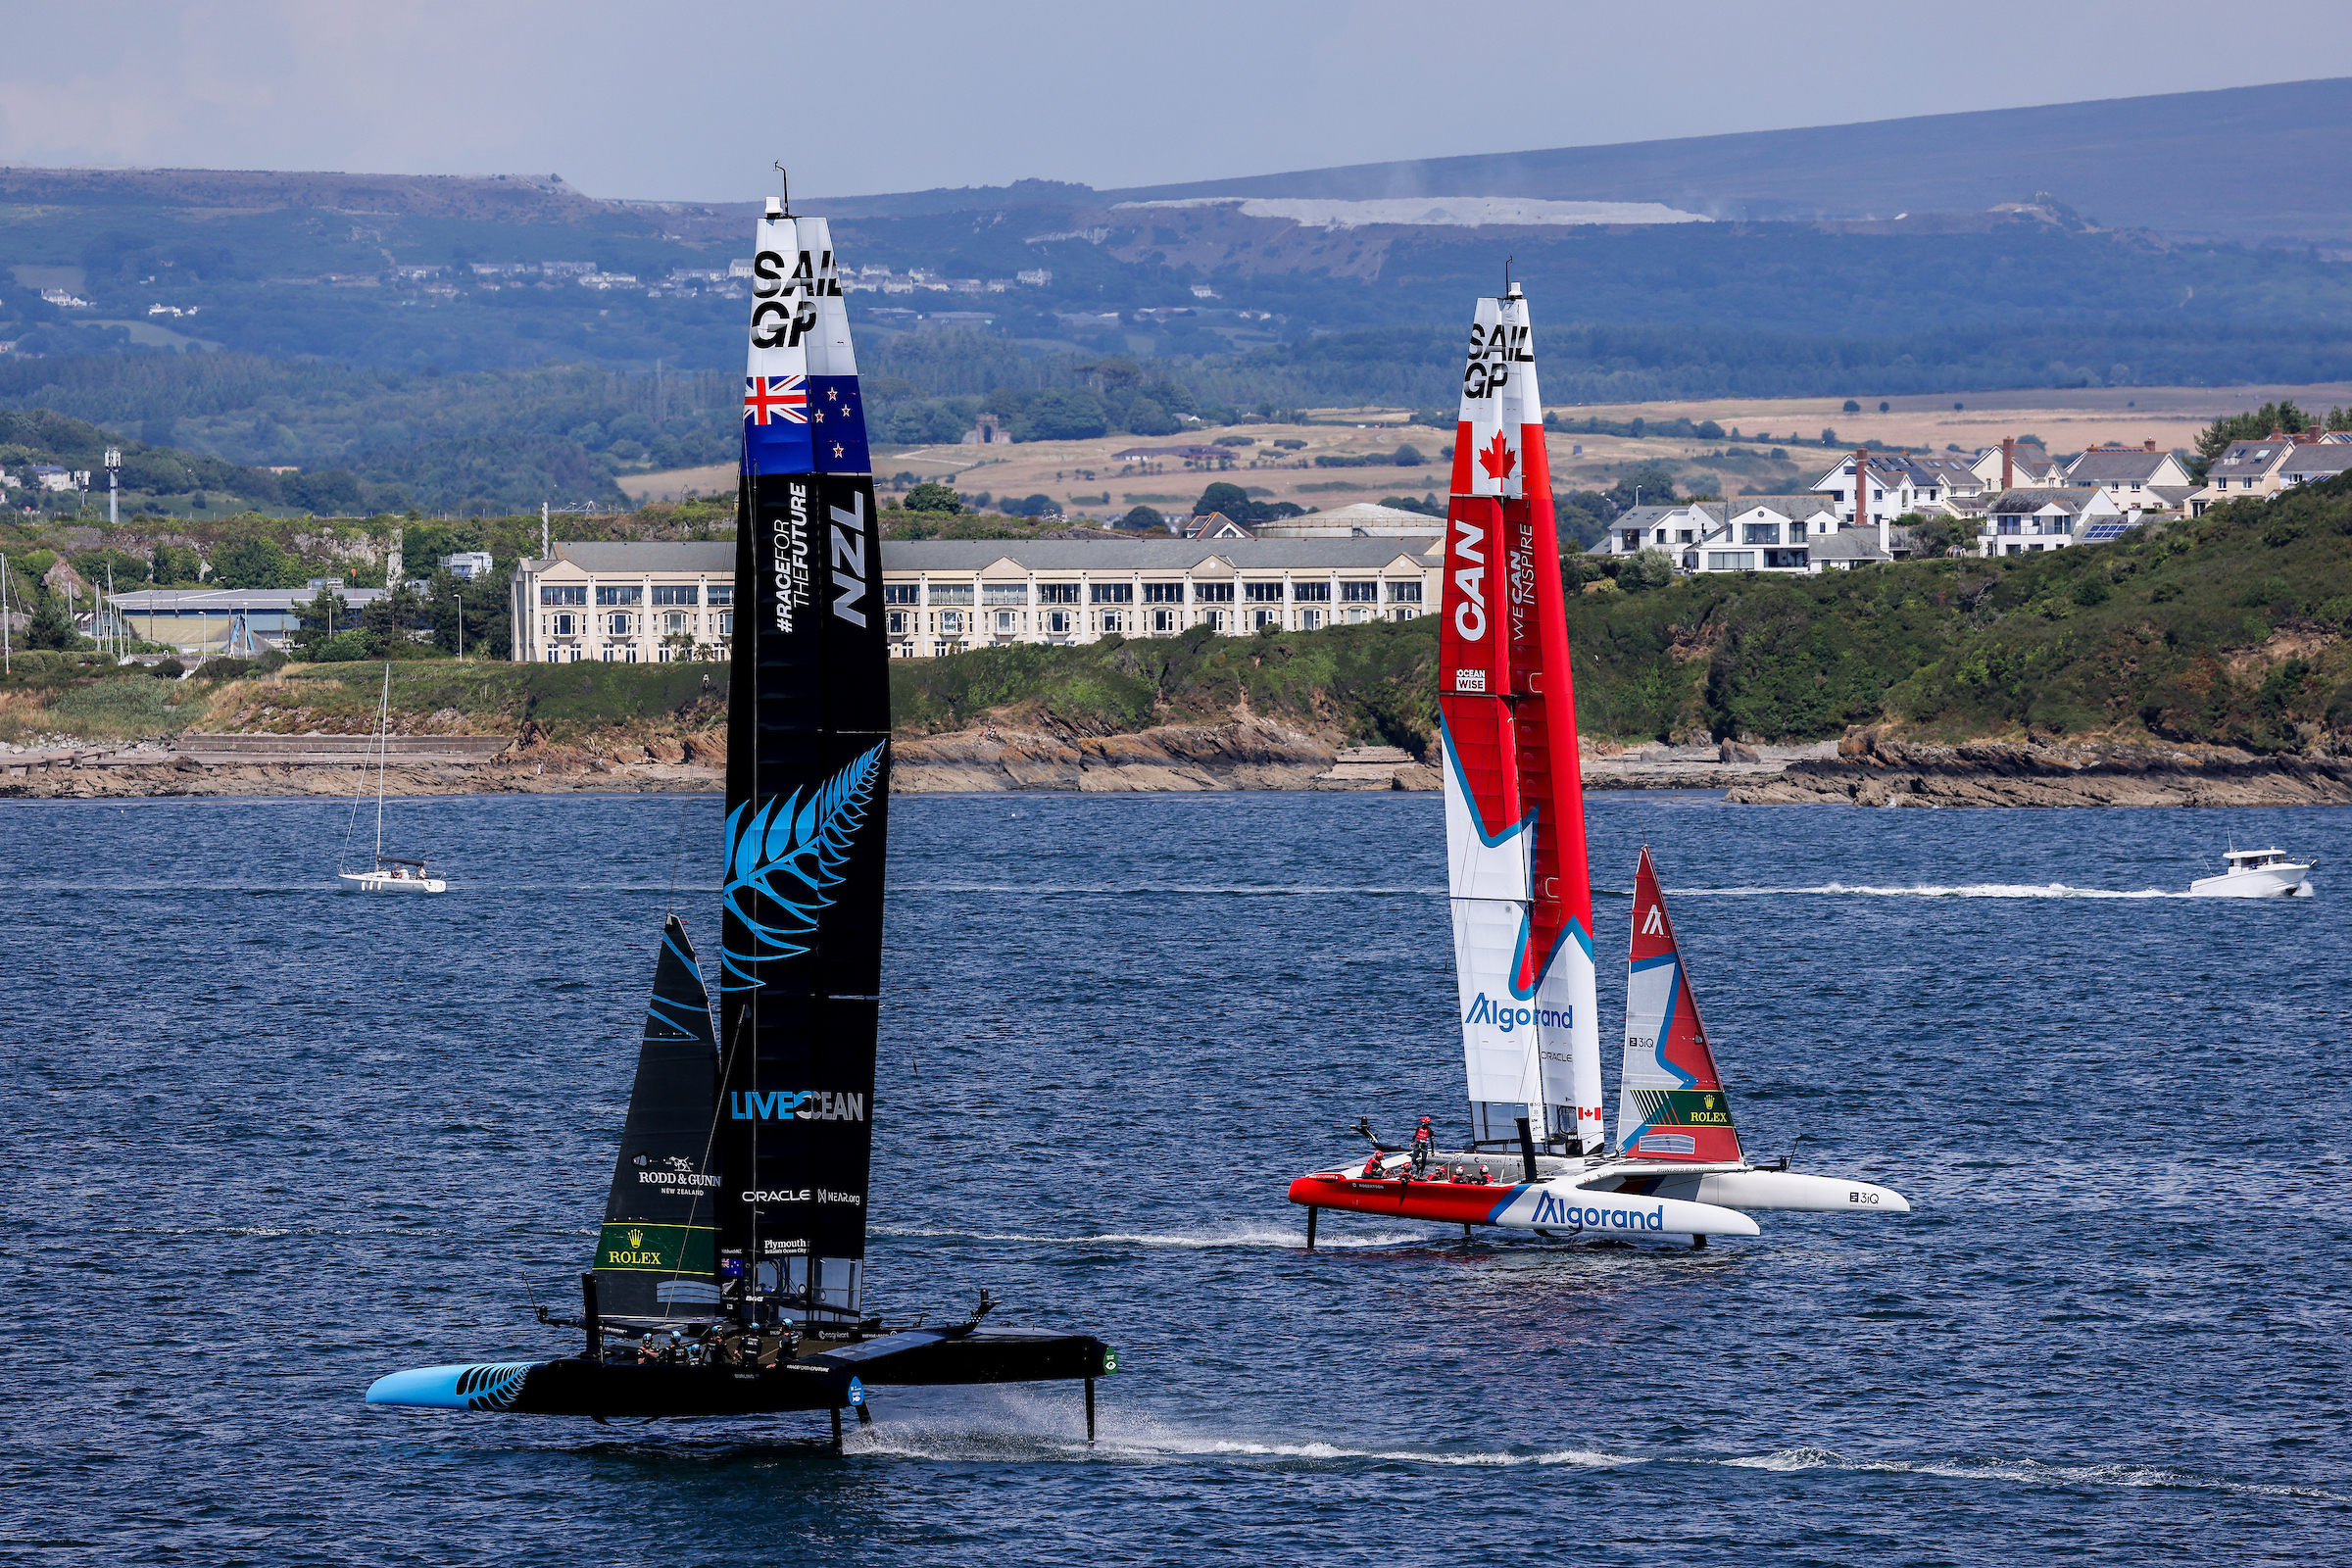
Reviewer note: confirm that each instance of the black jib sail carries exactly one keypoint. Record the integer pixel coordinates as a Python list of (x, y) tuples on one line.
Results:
[(654, 1258), (807, 788)]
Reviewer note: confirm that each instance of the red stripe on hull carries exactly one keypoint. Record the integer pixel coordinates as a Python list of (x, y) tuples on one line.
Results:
[(1443, 1203)]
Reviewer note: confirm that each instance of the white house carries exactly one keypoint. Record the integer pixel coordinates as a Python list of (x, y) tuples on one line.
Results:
[(2021, 523), (2313, 461), (2135, 478), (1668, 528), (2017, 465), (1764, 533), (2245, 468)]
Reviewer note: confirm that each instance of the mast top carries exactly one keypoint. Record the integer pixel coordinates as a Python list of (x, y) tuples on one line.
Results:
[(1510, 290), (781, 206)]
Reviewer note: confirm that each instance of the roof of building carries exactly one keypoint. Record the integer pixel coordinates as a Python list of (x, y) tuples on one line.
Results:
[(1151, 554), (1808, 505), (219, 601), (1847, 544), (2250, 456), (2069, 499), (2331, 457), (2116, 465), (600, 556)]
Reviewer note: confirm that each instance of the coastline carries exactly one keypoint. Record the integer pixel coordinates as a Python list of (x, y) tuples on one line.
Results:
[(1866, 769)]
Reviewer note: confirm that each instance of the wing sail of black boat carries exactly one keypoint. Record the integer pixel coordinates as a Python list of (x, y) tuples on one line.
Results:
[(807, 794), (656, 1257)]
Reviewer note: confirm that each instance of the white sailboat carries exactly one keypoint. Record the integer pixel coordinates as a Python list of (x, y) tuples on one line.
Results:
[(391, 873), (1522, 900)]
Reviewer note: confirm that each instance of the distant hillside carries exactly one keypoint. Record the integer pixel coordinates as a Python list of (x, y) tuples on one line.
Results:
[(2239, 163)]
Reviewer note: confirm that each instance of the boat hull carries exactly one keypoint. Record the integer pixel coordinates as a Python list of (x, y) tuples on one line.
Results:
[(577, 1386), (1786, 1191), (368, 882), (2270, 882), (1556, 1207)]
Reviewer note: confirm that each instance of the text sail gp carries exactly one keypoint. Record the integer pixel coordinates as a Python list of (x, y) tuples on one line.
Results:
[(808, 796)]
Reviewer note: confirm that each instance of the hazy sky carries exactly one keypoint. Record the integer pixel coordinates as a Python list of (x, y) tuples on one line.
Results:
[(693, 99)]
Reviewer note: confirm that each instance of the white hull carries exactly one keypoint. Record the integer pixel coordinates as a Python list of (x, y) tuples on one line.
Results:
[(2269, 882), (1747, 1187), (378, 882), (1558, 1208)]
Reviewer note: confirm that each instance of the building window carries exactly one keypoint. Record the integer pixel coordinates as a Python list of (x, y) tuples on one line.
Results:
[(564, 625), (554, 656), (717, 595), (950, 593), (1684, 536), (1111, 593), (1163, 592), (562, 596), (1731, 560), (1262, 593), (1632, 540), (1009, 622), (1760, 533), (1359, 593), (1058, 621), (2008, 524), (618, 625), (1114, 620), (898, 593), (898, 622), (1165, 619), (1261, 620), (674, 623), (1787, 560), (726, 621), (673, 594), (1004, 593), (950, 623), (1356, 614), (1404, 592), (633, 594), (1311, 593), (1057, 592), (1213, 619), (1402, 613), (1212, 593), (1310, 620)]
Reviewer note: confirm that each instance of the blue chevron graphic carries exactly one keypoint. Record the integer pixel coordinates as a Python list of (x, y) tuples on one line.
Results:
[(791, 851)]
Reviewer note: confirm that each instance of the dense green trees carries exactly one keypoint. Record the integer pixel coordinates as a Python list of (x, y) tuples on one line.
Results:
[(257, 562), (932, 496)]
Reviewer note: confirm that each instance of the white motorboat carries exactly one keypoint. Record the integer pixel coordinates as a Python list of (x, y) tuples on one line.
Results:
[(391, 873), (2257, 874)]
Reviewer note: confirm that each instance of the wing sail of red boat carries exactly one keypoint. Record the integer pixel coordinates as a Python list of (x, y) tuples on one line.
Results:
[(1671, 1103), (1514, 802)]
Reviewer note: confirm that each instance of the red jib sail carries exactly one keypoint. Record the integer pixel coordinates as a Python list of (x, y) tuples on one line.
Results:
[(1514, 801), (1672, 1105)]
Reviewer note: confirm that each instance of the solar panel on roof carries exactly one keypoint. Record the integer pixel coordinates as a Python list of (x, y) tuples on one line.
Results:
[(2100, 532)]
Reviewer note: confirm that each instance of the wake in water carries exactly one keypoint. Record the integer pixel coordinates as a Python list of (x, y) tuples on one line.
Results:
[(1054, 1432), (1212, 1237), (1930, 890), (1079, 890)]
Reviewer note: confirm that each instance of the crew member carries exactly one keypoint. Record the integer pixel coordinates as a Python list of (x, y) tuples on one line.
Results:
[(1423, 1140)]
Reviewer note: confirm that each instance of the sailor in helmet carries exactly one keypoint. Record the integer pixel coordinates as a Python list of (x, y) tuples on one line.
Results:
[(1423, 1142)]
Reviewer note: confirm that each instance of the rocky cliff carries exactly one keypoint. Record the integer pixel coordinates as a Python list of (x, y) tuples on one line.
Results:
[(1874, 768)]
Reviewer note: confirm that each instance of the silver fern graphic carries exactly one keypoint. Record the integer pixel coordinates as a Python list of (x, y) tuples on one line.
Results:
[(784, 858), (493, 1387)]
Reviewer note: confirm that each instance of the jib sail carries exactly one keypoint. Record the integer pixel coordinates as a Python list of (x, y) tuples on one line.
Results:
[(1671, 1103), (1514, 800), (807, 788), (653, 1257)]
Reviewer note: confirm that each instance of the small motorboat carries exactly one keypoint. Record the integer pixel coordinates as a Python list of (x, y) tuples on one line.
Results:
[(2257, 874)]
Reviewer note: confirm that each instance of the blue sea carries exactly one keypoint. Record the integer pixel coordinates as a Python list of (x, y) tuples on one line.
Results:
[(266, 1142)]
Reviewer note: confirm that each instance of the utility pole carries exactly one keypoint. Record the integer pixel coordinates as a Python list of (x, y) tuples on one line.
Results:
[(114, 469), (7, 650)]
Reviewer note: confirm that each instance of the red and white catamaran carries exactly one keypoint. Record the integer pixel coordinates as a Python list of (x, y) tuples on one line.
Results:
[(1522, 904)]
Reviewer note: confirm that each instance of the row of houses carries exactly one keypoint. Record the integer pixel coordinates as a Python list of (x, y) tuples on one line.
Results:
[(2021, 500)]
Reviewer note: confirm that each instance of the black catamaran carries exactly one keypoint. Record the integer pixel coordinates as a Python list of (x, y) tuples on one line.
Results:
[(729, 1275)]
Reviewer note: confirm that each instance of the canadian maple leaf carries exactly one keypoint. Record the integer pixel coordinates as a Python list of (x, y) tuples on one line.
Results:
[(1497, 457)]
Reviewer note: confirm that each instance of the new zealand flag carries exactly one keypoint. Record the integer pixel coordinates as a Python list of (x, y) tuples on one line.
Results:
[(775, 425), (837, 424)]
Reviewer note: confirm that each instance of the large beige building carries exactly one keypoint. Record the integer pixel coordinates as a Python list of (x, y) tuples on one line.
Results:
[(651, 603)]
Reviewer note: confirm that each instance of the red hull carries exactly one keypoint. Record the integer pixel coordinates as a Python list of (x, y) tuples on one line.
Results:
[(1445, 1202)]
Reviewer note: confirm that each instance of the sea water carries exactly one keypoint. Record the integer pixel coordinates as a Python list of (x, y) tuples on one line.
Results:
[(267, 1142)]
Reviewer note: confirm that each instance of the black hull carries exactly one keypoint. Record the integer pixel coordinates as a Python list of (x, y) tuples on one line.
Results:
[(827, 1380)]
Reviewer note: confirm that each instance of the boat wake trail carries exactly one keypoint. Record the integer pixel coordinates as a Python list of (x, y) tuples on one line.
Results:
[(1156, 890), (1930, 889), (1054, 1432), (1242, 1236)]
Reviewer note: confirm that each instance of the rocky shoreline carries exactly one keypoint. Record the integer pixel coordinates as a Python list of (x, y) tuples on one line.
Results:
[(1873, 768)]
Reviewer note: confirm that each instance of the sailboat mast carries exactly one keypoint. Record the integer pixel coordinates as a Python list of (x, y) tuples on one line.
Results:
[(383, 723)]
